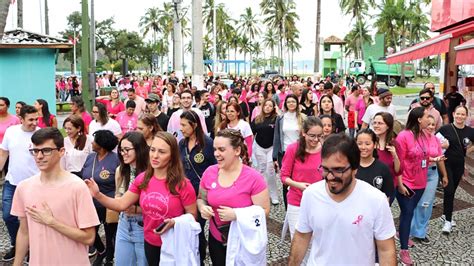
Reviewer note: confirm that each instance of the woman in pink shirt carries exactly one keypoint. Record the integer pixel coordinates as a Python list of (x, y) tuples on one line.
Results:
[(77, 108), (162, 191), (112, 103), (229, 184), (414, 158), (45, 118), (362, 105), (386, 144), (234, 120), (300, 166), (6, 119)]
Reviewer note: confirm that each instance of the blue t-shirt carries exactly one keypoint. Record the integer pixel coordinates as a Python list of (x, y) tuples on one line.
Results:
[(200, 159), (104, 172)]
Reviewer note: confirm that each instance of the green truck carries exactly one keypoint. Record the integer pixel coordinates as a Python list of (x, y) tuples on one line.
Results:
[(390, 74)]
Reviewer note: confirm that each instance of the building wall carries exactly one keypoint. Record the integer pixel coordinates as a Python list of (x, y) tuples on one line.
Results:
[(27, 75)]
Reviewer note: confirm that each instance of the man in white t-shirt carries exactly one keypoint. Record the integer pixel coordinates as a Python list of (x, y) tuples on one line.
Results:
[(175, 119), (384, 105), (16, 145), (345, 219)]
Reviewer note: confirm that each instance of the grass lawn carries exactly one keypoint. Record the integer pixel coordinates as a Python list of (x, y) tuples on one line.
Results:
[(426, 79), (66, 108), (402, 91)]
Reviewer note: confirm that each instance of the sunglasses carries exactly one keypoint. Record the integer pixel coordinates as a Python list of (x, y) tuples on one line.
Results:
[(425, 98)]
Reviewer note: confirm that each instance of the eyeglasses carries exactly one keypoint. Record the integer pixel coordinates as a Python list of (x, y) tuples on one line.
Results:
[(95, 112), (44, 151), (336, 172), (125, 150), (425, 98), (314, 136)]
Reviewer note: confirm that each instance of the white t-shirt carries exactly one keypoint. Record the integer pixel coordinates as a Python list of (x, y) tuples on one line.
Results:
[(291, 129), (21, 164), (374, 109), (244, 128), (111, 125), (349, 226), (338, 105), (74, 159)]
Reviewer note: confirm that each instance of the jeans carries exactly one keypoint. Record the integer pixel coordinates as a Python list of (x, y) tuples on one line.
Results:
[(129, 242), (264, 161), (11, 221), (407, 207), (63, 95), (423, 210)]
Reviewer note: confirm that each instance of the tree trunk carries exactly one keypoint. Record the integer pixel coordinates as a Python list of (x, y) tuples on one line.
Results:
[(19, 6), (316, 43), (4, 6), (360, 39), (46, 17), (245, 64)]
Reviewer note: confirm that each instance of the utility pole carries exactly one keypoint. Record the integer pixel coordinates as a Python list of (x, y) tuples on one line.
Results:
[(177, 39), (198, 68), (85, 57), (316, 43), (46, 17), (19, 13), (92, 51)]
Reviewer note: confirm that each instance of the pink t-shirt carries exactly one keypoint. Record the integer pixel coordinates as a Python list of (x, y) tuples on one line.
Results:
[(41, 123), (351, 102), (411, 153), (434, 147), (386, 157), (360, 108), (119, 107), (71, 204), (306, 171), (127, 122), (86, 117), (10, 121), (239, 195), (158, 204)]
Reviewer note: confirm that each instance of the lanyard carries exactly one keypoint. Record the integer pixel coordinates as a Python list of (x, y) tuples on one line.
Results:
[(423, 147)]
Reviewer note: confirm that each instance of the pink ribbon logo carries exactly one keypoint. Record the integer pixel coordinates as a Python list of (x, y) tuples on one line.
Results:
[(358, 220)]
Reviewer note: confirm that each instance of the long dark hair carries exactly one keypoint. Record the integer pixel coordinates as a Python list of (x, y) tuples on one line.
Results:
[(273, 87), (142, 156), (103, 117), (320, 105), (304, 96), (236, 140), (373, 137), (175, 171), (237, 108), (193, 120), (77, 122), (412, 122), (388, 120), (45, 112), (310, 122)]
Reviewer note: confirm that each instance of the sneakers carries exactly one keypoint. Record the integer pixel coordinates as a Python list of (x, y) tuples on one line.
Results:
[(99, 259), (447, 227), (10, 255), (410, 242), (405, 257), (453, 223), (275, 202), (424, 240), (92, 251)]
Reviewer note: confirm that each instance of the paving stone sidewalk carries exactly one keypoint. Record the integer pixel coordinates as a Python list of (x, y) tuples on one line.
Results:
[(456, 248)]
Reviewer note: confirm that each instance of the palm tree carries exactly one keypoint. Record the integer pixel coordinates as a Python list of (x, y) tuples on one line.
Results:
[(248, 27), (353, 40), (358, 8), (257, 50), (278, 14), (150, 22), (269, 41), (292, 46), (245, 47)]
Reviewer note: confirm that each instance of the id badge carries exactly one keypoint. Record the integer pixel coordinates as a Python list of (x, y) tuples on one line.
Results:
[(423, 163)]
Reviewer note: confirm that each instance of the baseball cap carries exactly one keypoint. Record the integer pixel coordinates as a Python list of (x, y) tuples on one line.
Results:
[(152, 97)]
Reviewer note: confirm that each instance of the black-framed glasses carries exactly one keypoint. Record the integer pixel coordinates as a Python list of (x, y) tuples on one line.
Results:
[(125, 150), (425, 98), (44, 151), (336, 172), (315, 136)]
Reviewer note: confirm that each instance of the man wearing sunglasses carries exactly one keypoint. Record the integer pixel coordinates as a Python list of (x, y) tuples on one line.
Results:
[(437, 102), (56, 212), (21, 166), (346, 219), (426, 100)]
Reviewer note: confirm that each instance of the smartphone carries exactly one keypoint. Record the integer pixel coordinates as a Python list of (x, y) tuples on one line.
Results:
[(160, 227), (411, 193)]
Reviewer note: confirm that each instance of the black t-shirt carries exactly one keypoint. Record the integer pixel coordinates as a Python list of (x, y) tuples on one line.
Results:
[(162, 120), (378, 175), (338, 123), (171, 111), (454, 100), (209, 112), (308, 110), (456, 151), (264, 132), (245, 109)]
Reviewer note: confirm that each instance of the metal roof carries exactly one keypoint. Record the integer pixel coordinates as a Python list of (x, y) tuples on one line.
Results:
[(20, 38)]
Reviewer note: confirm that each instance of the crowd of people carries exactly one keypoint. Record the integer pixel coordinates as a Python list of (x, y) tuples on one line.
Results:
[(160, 159)]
